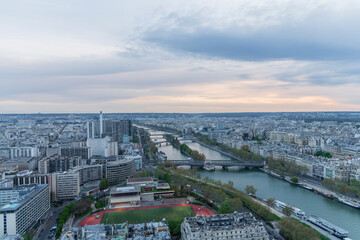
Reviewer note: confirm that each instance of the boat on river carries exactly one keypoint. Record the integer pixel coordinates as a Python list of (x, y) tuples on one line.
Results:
[(328, 195), (306, 186), (329, 227), (275, 174), (349, 203), (296, 213)]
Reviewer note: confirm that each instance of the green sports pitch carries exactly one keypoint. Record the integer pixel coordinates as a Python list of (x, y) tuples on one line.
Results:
[(147, 215)]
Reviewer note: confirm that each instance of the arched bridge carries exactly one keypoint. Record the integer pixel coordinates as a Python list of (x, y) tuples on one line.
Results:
[(223, 163)]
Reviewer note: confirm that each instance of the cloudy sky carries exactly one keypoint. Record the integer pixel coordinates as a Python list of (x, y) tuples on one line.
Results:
[(179, 56)]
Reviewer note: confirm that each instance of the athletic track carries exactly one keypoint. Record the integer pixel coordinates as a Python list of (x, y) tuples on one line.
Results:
[(91, 220)]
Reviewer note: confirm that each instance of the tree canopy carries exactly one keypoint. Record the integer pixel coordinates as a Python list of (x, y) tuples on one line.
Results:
[(104, 184), (250, 189)]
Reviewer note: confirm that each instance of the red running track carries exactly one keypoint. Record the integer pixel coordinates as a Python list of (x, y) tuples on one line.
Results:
[(91, 220)]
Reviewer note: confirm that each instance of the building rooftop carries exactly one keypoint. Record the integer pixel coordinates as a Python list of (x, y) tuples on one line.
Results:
[(132, 189), (25, 194), (140, 179), (223, 222)]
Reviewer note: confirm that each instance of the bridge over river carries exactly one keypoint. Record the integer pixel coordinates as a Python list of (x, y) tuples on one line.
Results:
[(222, 163)]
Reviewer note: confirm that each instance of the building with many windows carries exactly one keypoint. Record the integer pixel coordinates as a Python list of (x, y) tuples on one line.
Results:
[(122, 197), (64, 186), (223, 226), (58, 163), (89, 173), (120, 170), (17, 216)]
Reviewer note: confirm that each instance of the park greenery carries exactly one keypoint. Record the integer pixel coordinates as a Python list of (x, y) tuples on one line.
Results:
[(243, 153), (101, 204), (82, 207), (250, 189), (270, 202), (104, 184), (230, 205), (217, 192), (323, 154), (284, 167), (352, 188), (292, 229), (150, 148), (294, 179), (63, 218), (287, 211), (78, 208), (135, 138), (194, 154)]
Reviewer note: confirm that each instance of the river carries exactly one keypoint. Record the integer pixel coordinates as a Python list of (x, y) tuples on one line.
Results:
[(269, 187)]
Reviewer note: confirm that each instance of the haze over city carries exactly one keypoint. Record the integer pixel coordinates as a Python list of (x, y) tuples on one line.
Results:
[(192, 56)]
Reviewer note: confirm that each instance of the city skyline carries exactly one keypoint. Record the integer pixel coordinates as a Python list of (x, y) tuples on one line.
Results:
[(194, 57)]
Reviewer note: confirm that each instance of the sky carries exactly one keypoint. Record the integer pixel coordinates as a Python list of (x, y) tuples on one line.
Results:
[(179, 56)]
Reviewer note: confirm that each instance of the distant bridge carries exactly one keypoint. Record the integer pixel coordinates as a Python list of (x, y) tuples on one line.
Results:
[(156, 134), (222, 163)]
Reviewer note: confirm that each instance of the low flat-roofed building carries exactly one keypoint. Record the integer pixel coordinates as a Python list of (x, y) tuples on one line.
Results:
[(90, 188), (142, 181), (162, 186), (224, 226), (122, 197)]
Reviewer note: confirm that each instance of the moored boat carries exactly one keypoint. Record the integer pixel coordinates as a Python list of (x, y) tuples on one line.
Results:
[(349, 203), (328, 195), (297, 212), (275, 174), (329, 227), (306, 186)]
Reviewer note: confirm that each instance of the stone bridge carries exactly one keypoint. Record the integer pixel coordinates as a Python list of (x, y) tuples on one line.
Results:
[(223, 163)]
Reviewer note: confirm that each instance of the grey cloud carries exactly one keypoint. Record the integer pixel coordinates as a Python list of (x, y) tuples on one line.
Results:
[(255, 47), (314, 38)]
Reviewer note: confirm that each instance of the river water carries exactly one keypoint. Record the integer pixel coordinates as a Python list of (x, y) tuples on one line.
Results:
[(269, 187)]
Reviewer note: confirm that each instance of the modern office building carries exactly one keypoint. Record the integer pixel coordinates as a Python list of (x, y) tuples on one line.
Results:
[(118, 130), (16, 152), (138, 161), (83, 152), (58, 163), (89, 173), (26, 178), (120, 170), (102, 146), (121, 130), (223, 226), (24, 212), (64, 186)]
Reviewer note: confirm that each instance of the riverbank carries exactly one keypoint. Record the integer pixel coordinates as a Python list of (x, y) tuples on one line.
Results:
[(271, 187), (318, 188)]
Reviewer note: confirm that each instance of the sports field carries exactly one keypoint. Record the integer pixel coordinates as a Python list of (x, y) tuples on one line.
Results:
[(147, 215)]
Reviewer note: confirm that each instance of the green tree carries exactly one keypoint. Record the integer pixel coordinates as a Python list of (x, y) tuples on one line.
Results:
[(81, 206), (250, 189), (167, 178), (287, 211), (236, 203), (245, 148), (294, 179), (104, 184), (292, 229), (270, 202), (226, 207)]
